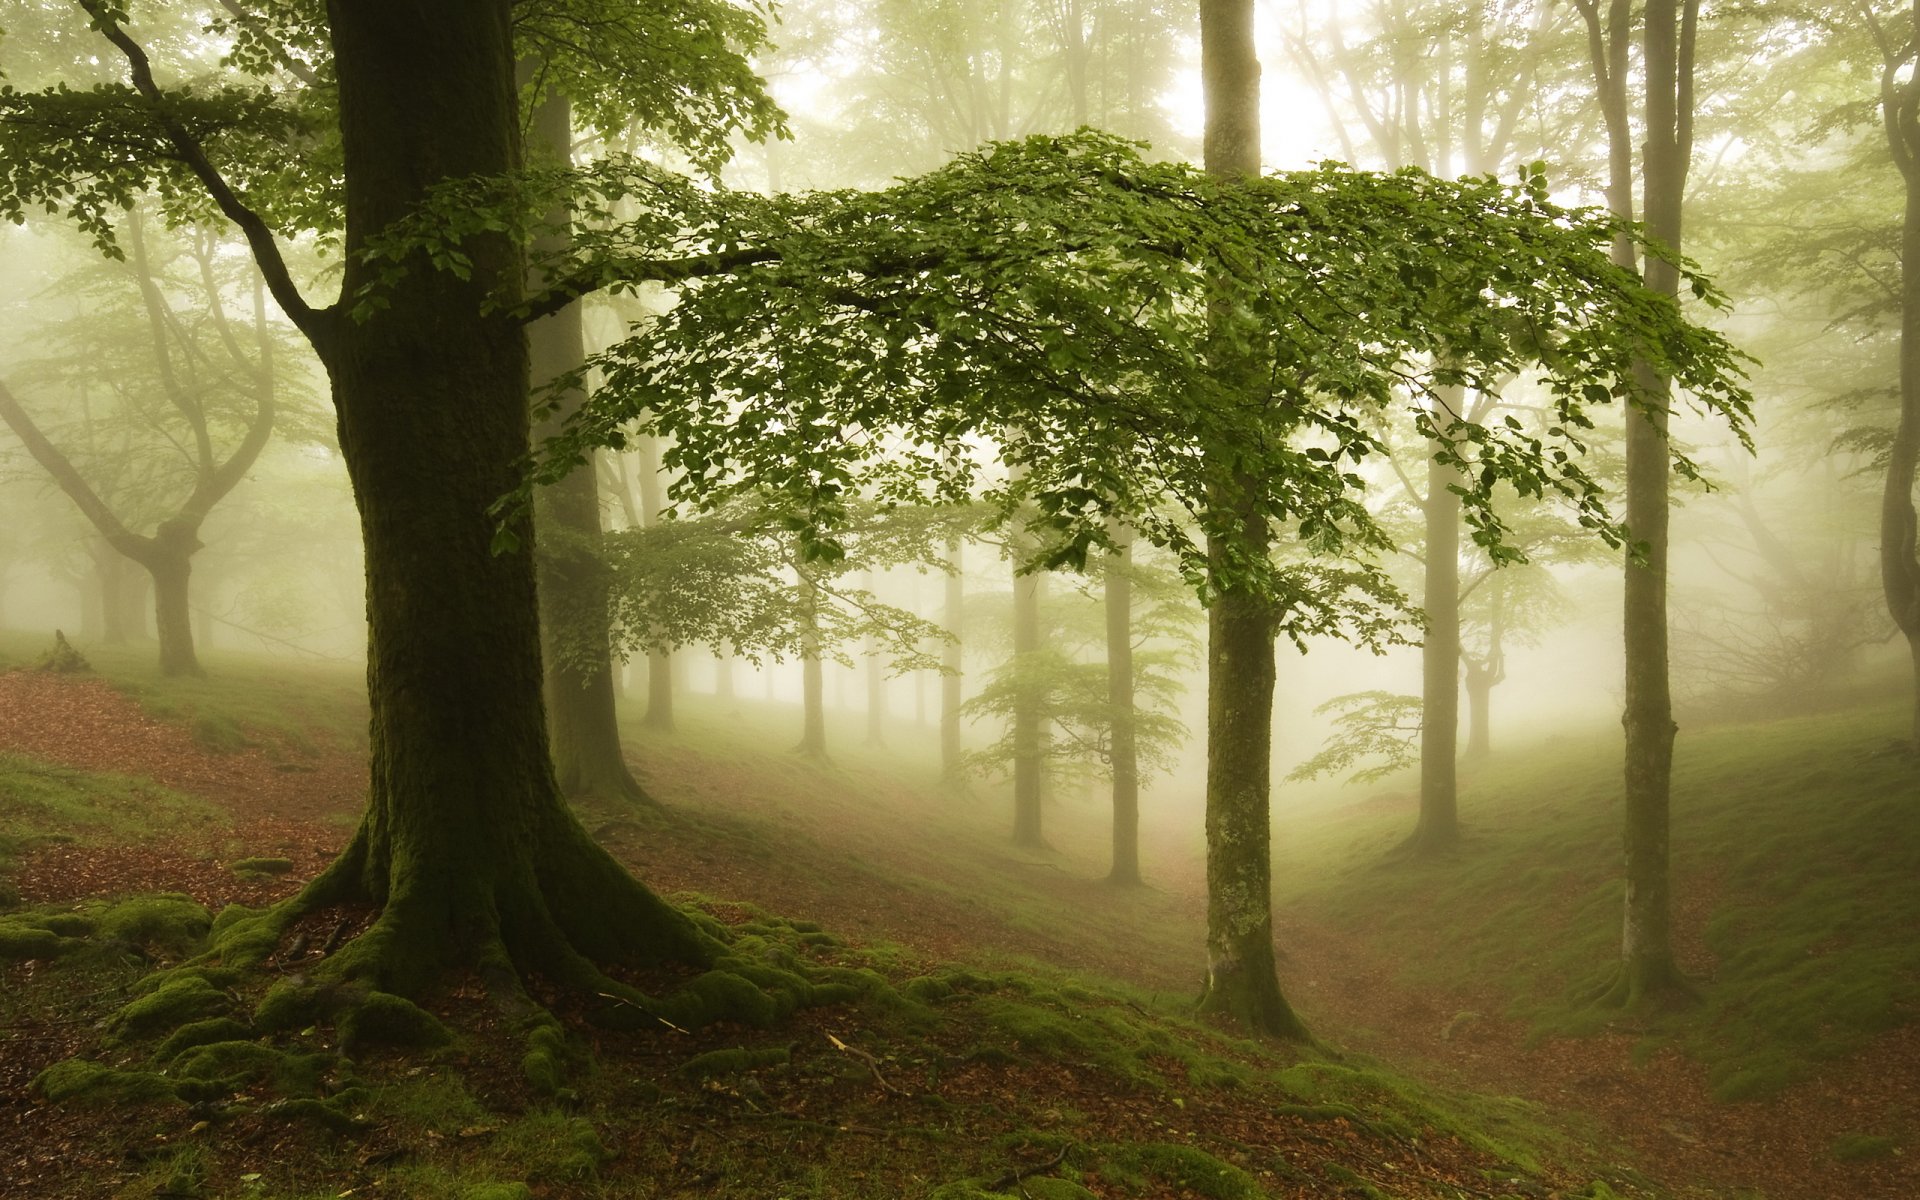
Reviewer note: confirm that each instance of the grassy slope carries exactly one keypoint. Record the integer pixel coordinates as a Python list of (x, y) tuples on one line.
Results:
[(1796, 847), (974, 1071), (1794, 840)]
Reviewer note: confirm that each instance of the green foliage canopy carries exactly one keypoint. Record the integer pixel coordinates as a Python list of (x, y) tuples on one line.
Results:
[(1061, 298)]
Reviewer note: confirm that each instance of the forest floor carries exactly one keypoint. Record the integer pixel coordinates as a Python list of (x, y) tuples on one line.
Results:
[(925, 875)]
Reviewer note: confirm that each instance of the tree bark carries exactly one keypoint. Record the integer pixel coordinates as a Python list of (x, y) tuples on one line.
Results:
[(1241, 980), (1029, 715), (583, 724), (1123, 751), (1439, 825), (1648, 972), (465, 847)]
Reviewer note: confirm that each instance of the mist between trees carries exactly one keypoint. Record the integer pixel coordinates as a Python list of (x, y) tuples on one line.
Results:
[(1130, 409)]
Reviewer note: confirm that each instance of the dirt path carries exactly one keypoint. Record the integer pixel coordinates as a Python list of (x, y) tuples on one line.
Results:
[(864, 870)]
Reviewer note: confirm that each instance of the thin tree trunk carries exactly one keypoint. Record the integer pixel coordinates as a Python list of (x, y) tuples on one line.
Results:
[(876, 695), (583, 725), (1479, 704), (1029, 716), (1123, 752), (1439, 825), (813, 682), (1899, 528), (1647, 971), (1241, 979), (952, 682), (660, 666)]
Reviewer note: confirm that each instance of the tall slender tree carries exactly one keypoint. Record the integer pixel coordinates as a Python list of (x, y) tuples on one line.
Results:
[(1242, 624), (582, 720), (1669, 34), (1899, 529)]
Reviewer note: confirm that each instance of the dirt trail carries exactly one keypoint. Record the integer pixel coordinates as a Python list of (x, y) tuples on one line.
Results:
[(866, 877)]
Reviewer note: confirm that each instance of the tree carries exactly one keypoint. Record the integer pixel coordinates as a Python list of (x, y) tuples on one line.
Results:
[(582, 721), (1899, 529), (466, 849), (1102, 684), (195, 389), (735, 578), (1648, 971), (1242, 629)]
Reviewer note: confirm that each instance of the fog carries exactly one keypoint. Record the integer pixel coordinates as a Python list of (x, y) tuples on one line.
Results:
[(746, 470)]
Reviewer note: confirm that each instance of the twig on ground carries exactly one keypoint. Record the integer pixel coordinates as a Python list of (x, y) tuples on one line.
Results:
[(1031, 1169), (873, 1064)]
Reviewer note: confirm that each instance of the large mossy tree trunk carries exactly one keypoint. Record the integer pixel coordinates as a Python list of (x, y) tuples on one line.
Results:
[(1438, 829), (1122, 750), (582, 721), (1241, 627), (465, 847), (1647, 971)]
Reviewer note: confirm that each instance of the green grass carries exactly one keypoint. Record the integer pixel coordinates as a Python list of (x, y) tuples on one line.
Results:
[(40, 803), (244, 699), (1799, 834)]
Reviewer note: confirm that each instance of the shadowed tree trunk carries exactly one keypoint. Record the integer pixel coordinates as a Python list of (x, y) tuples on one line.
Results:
[(582, 722), (1241, 980), (1123, 752), (465, 847)]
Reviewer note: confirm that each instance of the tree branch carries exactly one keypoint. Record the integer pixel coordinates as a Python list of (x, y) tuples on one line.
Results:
[(313, 322), (77, 489)]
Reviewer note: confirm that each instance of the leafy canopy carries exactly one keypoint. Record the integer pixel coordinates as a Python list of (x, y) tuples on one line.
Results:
[(1070, 303)]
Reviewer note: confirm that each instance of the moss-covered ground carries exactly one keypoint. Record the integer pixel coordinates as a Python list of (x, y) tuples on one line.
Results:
[(1021, 1026)]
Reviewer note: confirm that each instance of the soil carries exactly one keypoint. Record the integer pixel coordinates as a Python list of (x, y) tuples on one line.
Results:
[(853, 877)]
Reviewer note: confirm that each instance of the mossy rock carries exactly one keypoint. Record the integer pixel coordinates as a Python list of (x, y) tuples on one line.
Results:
[(66, 924), (384, 1019), (78, 1079), (1037, 1187), (716, 1064), (259, 867), (179, 1001), (295, 1004), (237, 1063), (195, 1034), (1191, 1168), (327, 1114), (20, 941), (168, 923), (547, 1059), (497, 1191), (720, 996)]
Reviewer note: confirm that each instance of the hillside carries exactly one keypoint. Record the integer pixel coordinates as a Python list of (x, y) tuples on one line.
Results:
[(998, 1012)]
